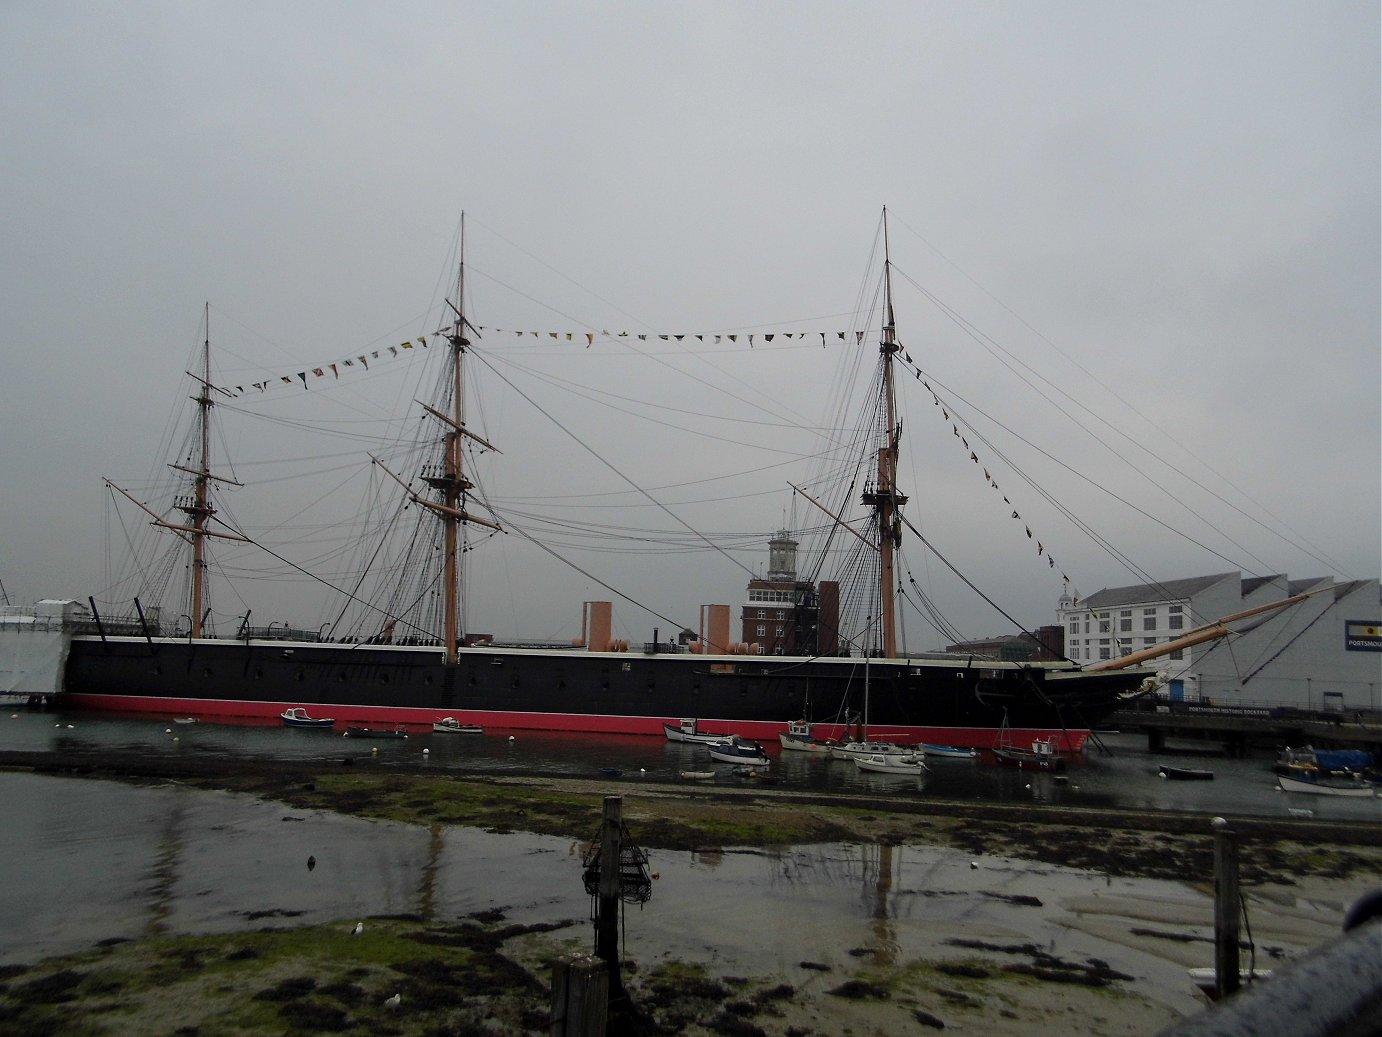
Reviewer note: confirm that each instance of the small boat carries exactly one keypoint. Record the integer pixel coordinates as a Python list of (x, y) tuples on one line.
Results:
[(798, 737), (297, 717), (374, 732), (738, 750), (689, 731), (854, 750), (1307, 761), (698, 775), (1184, 773), (1042, 756), (184, 720), (884, 763), (452, 726), (947, 752), (1358, 785)]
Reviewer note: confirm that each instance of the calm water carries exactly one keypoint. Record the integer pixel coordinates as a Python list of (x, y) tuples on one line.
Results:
[(87, 861), (1127, 779), (91, 860)]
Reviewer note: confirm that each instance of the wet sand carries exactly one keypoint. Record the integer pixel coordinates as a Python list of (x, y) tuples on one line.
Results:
[(967, 916)]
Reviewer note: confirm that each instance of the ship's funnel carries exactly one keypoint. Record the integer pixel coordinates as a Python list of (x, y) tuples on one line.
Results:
[(597, 625), (715, 629)]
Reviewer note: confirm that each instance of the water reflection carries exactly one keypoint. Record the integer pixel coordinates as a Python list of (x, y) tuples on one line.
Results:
[(1127, 779)]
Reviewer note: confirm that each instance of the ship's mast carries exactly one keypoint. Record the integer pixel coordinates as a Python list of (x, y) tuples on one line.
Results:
[(885, 499), (199, 507), (456, 483)]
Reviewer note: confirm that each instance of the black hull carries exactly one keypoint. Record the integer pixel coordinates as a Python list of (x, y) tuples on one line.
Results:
[(959, 702)]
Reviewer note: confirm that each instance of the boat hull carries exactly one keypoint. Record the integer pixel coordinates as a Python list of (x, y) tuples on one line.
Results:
[(943, 701), (1327, 787)]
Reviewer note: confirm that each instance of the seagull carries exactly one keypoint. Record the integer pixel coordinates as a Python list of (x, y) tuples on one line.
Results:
[(393, 1002), (311, 862), (359, 928), (426, 752), (512, 738), (973, 865)]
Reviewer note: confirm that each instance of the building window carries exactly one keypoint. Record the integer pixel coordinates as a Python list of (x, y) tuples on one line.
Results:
[(779, 631), (781, 613), (1149, 622), (762, 613), (1148, 642), (762, 630), (1177, 620), (1124, 625), (1179, 653), (760, 650), (1086, 626), (1103, 653), (1103, 626), (1074, 627)]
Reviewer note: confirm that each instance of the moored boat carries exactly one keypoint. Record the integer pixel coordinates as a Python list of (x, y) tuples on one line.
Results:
[(799, 737), (1184, 773), (947, 752), (452, 726), (298, 717), (389, 664), (1042, 756), (689, 731), (1357, 786), (886, 763), (741, 751), (855, 750)]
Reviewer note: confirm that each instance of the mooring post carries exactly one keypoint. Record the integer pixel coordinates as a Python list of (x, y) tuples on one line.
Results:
[(1226, 912), (580, 996), (607, 913)]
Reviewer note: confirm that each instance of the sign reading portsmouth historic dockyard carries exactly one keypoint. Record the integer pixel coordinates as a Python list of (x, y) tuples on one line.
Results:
[(1363, 635)]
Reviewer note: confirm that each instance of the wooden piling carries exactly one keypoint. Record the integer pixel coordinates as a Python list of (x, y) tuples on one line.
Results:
[(1226, 910), (607, 910), (580, 996)]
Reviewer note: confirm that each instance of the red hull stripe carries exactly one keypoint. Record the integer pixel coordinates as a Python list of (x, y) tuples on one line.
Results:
[(1067, 740)]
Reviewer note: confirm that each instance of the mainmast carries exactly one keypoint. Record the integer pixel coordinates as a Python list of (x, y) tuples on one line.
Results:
[(885, 499)]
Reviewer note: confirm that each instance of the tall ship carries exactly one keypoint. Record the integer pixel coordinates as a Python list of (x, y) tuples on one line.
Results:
[(410, 659)]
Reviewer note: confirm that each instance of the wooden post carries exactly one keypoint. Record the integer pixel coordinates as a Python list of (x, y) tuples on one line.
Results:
[(1225, 910), (607, 911), (580, 996)]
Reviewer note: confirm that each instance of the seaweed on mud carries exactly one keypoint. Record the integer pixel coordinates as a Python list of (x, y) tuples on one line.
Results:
[(352, 995), (861, 990), (963, 970), (53, 989), (311, 1015), (288, 990), (734, 1026), (927, 1019)]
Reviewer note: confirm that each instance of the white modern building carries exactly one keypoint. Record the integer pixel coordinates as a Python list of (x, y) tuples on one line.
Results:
[(1324, 652)]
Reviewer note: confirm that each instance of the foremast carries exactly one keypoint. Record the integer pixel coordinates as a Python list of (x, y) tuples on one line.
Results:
[(885, 499), (198, 505)]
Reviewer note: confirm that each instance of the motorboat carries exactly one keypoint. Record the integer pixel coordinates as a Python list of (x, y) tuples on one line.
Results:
[(452, 726), (297, 717)]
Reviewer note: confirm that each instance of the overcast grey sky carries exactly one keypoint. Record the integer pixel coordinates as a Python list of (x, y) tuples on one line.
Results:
[(1170, 210)]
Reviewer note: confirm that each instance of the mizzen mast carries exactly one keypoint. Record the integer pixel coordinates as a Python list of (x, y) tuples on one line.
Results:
[(885, 499)]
